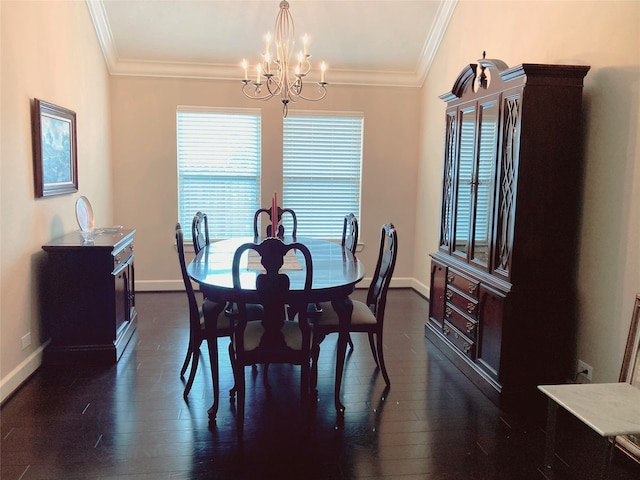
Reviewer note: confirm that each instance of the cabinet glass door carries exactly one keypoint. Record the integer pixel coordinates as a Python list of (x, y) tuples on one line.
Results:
[(465, 185), (484, 181), (448, 176)]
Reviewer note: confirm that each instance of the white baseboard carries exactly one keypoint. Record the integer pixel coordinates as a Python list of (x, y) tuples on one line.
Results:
[(159, 286), (21, 373)]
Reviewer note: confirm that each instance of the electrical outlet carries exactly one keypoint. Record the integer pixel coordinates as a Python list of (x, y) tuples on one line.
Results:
[(586, 370), (26, 340)]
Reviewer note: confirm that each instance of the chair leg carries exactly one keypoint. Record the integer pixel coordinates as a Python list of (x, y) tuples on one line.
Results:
[(195, 359), (232, 357), (315, 354), (304, 381), (372, 345), (187, 358), (232, 361), (380, 352), (240, 406), (265, 377), (212, 345)]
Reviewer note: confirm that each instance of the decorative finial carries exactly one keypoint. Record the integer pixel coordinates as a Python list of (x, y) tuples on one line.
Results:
[(482, 78)]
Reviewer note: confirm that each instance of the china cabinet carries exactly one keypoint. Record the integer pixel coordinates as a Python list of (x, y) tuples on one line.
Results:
[(88, 297), (502, 288)]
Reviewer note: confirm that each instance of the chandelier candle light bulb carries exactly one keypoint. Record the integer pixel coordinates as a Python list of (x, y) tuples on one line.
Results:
[(284, 80)]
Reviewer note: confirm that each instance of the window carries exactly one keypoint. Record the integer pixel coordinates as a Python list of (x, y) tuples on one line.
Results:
[(219, 168), (322, 163)]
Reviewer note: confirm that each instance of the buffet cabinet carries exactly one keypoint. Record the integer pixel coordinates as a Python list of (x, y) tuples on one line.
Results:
[(502, 289), (88, 297)]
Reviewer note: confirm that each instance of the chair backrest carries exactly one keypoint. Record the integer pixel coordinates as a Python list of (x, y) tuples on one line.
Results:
[(350, 233), (377, 294), (194, 311), (272, 288), (281, 211), (630, 371), (200, 231)]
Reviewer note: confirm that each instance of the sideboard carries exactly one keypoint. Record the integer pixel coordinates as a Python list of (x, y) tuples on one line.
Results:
[(88, 297)]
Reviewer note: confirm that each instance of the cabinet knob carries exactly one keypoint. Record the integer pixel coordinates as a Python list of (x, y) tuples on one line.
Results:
[(449, 294), (450, 277), (472, 287), (448, 312), (471, 307), (470, 327)]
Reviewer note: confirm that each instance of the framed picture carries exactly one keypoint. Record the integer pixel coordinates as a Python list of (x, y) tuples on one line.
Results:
[(630, 373), (53, 132)]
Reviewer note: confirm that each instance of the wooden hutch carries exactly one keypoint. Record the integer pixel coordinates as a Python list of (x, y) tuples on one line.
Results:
[(503, 295)]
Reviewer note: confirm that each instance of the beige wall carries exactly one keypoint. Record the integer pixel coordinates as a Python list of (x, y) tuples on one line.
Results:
[(49, 51), (605, 35), (145, 178)]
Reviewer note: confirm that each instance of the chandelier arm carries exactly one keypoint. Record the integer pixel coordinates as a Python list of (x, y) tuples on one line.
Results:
[(256, 92), (323, 93)]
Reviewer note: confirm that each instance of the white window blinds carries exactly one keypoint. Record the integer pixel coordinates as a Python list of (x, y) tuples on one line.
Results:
[(218, 169), (322, 163)]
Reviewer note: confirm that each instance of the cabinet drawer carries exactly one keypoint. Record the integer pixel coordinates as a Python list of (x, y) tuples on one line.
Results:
[(462, 303), (455, 336), (465, 324), (463, 283), (122, 257)]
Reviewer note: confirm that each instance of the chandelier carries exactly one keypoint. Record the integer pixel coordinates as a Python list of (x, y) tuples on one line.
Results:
[(277, 76)]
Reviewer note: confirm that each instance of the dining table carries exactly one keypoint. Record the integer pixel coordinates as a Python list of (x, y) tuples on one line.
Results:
[(336, 271)]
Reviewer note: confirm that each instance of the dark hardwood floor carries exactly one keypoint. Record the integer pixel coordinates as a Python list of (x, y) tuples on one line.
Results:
[(129, 421)]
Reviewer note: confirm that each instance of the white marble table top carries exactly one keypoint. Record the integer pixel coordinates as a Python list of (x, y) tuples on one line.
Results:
[(609, 408)]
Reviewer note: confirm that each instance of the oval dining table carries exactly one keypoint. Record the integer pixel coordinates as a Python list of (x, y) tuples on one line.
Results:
[(336, 271)]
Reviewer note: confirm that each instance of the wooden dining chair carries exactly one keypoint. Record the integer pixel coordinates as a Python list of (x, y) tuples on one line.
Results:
[(281, 230), (366, 317), (200, 231), (350, 232), (200, 237), (279, 337), (208, 312)]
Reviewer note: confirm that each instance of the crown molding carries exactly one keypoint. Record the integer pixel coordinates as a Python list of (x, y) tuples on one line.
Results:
[(439, 28), (140, 68)]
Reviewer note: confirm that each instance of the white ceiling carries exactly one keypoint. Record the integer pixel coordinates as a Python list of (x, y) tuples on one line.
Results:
[(363, 42)]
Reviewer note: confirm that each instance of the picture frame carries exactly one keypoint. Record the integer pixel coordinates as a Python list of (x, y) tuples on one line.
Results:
[(55, 159), (630, 373)]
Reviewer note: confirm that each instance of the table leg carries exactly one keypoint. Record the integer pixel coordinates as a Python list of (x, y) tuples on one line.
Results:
[(344, 310), (211, 327), (550, 447), (610, 443)]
